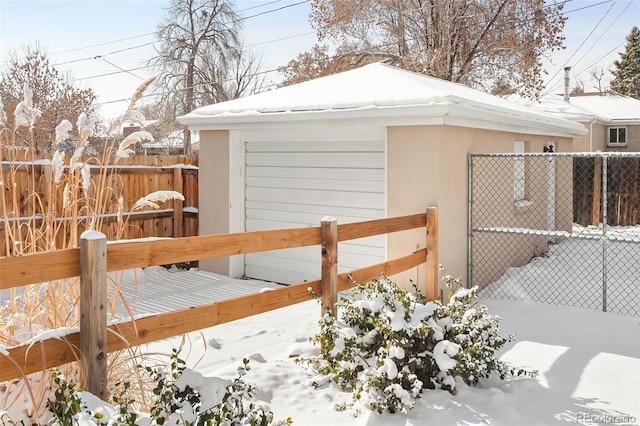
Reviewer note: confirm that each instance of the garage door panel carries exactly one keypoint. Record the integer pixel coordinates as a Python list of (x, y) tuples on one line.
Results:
[(363, 160), (295, 183), (316, 197), (316, 173), (374, 244), (305, 261), (276, 275), (311, 183), (299, 259), (314, 146), (254, 208), (348, 254), (304, 218)]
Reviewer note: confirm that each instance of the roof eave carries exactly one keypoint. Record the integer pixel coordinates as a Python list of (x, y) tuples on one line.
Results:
[(252, 119), (455, 114), (504, 119)]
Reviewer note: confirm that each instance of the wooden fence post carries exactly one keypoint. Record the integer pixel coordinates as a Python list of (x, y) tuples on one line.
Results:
[(433, 271), (47, 191), (597, 185), (329, 278), (178, 186), (93, 310)]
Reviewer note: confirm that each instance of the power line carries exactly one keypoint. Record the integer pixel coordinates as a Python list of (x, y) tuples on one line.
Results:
[(551, 84), (122, 69), (260, 5), (105, 54), (139, 35), (595, 61), (298, 35), (177, 60), (603, 33), (274, 10), (353, 52), (104, 44), (585, 39), (50, 7), (153, 42)]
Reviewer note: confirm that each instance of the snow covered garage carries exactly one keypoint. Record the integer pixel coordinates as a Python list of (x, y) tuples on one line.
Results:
[(368, 143)]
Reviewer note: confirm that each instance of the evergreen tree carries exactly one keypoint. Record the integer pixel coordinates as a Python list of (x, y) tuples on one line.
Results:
[(627, 70)]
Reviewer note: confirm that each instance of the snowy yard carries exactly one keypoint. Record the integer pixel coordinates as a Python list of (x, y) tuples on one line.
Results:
[(589, 362), (570, 273)]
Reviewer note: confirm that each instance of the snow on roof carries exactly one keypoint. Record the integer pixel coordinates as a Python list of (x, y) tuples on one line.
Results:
[(603, 107), (555, 104), (383, 92), (612, 106)]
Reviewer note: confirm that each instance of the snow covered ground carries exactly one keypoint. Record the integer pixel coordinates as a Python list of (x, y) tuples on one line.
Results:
[(570, 273), (589, 364), (589, 361)]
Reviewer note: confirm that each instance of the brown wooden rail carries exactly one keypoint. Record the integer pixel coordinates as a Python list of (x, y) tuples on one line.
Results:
[(31, 358)]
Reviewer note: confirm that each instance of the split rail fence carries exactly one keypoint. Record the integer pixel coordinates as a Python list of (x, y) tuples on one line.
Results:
[(94, 259)]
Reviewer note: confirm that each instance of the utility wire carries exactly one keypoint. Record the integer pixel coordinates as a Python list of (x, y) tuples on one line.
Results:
[(103, 44), (122, 69), (603, 33), (514, 20), (49, 8), (178, 60), (354, 52), (583, 41), (553, 86), (154, 32), (259, 6), (105, 54), (153, 42), (273, 10)]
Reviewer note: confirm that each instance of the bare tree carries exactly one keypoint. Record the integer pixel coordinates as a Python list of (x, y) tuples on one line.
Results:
[(482, 43), (578, 88), (598, 75), (53, 94), (201, 58)]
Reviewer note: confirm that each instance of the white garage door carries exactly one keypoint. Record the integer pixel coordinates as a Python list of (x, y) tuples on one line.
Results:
[(293, 181)]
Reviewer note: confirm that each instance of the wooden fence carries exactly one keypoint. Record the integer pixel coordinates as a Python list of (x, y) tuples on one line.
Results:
[(621, 181), (94, 259), (21, 180)]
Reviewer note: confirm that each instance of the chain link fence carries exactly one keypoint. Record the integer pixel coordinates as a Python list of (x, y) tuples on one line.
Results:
[(562, 229)]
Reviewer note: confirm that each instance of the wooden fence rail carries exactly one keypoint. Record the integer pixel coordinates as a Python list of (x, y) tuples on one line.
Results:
[(24, 182), (36, 268)]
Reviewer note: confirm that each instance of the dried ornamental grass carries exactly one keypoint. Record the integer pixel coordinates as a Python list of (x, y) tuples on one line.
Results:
[(29, 311)]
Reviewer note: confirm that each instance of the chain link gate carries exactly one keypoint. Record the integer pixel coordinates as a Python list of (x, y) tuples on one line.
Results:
[(558, 228)]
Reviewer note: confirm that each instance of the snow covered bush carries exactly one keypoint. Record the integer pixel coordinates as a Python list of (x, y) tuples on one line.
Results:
[(387, 344), (180, 397)]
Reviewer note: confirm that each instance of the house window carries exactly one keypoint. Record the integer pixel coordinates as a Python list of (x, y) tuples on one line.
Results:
[(617, 136), (519, 172)]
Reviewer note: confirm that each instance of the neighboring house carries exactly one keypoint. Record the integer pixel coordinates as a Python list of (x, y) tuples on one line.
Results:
[(164, 143), (169, 144), (368, 143), (613, 120)]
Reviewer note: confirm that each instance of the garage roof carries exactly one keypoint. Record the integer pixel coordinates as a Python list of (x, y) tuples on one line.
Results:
[(385, 95)]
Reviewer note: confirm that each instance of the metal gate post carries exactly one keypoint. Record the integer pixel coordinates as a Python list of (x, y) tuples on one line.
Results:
[(604, 233), (470, 221)]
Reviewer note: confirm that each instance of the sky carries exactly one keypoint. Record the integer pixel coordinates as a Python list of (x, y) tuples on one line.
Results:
[(105, 44)]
